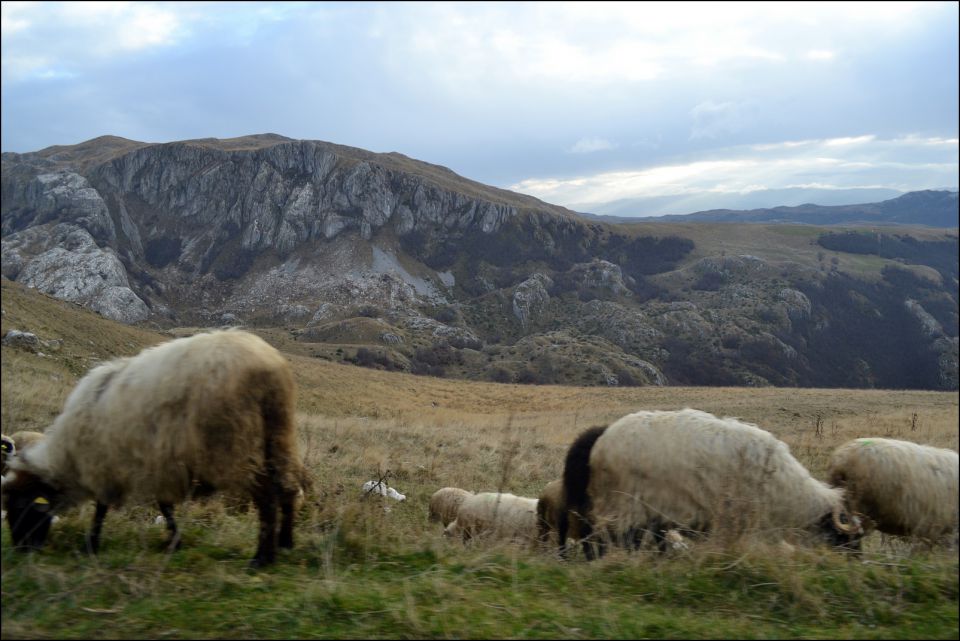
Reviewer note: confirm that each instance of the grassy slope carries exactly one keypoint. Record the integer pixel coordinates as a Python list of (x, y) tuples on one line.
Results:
[(780, 244), (360, 572)]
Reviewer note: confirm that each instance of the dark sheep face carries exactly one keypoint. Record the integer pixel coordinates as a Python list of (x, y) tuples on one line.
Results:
[(30, 504)]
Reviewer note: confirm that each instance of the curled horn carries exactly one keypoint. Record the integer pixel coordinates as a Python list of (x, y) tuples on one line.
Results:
[(846, 528)]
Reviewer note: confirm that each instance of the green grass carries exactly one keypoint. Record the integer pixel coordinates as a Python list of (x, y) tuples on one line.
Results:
[(366, 574)]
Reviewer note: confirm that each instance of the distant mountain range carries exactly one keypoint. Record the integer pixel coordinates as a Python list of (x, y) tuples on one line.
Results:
[(930, 208)]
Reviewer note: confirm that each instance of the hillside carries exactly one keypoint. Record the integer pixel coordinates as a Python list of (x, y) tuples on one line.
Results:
[(395, 264), (359, 570)]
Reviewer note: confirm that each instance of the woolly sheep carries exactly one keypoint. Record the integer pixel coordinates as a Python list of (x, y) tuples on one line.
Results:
[(901, 487), (200, 414), (691, 471), (445, 502), (498, 515)]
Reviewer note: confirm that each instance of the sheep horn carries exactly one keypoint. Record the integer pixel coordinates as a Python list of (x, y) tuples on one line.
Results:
[(838, 513)]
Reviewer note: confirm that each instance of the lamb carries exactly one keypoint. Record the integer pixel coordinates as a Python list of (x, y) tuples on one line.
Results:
[(902, 488), (445, 502), (494, 514), (548, 512), (210, 412), (691, 471)]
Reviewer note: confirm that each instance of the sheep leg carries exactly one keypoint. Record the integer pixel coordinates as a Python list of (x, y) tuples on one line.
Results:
[(265, 499), (285, 540), (563, 524), (632, 538), (658, 528), (173, 543), (93, 537)]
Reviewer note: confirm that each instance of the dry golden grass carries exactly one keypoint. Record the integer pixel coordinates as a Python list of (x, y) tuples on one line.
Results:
[(368, 567), (428, 433)]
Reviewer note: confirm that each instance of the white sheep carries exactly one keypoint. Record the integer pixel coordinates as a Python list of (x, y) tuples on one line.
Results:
[(691, 471), (444, 504), (193, 415), (492, 514), (901, 487)]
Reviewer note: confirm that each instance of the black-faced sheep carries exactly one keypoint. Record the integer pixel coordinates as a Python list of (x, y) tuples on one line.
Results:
[(211, 412), (495, 515), (691, 471), (444, 504), (901, 487)]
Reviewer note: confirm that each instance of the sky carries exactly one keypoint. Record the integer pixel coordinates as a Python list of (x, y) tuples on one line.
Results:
[(581, 105)]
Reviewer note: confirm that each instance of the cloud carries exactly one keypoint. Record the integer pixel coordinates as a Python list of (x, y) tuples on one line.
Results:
[(820, 54), (851, 140), (713, 120), (591, 145), (866, 161)]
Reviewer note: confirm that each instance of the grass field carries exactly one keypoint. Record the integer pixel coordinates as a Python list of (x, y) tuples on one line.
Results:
[(361, 570)]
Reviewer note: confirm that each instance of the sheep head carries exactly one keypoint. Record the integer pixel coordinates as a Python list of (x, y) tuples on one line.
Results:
[(842, 528), (30, 503)]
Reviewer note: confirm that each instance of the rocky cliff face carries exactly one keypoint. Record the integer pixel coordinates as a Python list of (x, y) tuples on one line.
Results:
[(396, 263), (187, 221)]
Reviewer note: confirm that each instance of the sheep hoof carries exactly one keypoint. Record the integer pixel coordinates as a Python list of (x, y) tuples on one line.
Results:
[(173, 544), (259, 562)]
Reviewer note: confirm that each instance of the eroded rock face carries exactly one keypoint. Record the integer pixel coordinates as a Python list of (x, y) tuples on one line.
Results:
[(194, 219), (63, 260), (530, 298)]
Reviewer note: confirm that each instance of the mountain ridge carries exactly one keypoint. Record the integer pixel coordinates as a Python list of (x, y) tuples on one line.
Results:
[(938, 208), (388, 262)]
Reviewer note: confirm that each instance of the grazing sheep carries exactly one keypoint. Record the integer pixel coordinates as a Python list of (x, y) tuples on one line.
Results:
[(498, 515), (548, 512), (692, 471), (445, 502), (902, 488), (193, 415)]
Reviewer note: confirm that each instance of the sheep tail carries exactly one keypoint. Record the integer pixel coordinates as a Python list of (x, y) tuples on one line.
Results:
[(576, 479)]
